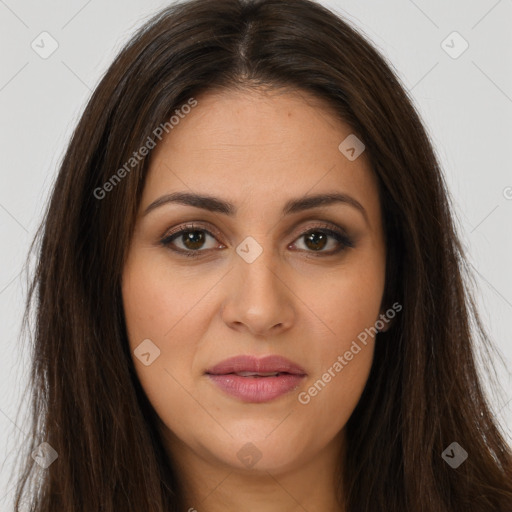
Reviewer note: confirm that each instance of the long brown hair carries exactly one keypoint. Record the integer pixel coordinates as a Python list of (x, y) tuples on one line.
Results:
[(423, 392)]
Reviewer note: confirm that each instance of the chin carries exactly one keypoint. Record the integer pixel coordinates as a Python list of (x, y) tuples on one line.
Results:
[(257, 454)]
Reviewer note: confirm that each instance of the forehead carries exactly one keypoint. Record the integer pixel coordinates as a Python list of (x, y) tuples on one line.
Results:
[(261, 147)]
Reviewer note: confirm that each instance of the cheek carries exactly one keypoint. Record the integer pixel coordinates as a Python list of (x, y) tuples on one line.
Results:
[(158, 302), (171, 311), (347, 303), (341, 369)]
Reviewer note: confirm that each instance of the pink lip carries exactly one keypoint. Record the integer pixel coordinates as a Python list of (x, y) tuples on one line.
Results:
[(256, 389)]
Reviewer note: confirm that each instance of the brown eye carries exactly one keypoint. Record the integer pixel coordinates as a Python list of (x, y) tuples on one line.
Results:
[(316, 240), (192, 240)]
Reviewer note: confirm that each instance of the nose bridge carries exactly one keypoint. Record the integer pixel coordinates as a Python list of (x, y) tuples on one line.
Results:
[(257, 296), (257, 268)]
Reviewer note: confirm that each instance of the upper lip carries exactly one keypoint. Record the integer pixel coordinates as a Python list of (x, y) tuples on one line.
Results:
[(246, 363)]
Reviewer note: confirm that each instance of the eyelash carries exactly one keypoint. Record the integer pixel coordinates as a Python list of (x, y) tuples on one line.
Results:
[(326, 229)]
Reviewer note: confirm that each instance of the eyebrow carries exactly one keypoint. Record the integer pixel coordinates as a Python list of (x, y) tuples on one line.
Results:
[(217, 205)]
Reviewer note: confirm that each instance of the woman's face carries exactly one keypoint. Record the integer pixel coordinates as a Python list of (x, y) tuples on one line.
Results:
[(275, 273)]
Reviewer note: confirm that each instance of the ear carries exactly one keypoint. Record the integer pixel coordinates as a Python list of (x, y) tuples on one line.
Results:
[(387, 318)]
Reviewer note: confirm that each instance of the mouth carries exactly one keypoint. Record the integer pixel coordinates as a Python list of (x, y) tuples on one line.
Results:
[(255, 374), (254, 380)]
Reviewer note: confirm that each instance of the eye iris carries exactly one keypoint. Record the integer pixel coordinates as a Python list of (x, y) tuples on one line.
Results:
[(317, 238), (196, 238)]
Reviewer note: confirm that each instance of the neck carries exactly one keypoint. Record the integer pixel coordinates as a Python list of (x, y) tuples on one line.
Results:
[(211, 486)]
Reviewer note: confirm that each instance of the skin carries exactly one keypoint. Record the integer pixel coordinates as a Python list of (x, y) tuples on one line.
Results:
[(257, 150)]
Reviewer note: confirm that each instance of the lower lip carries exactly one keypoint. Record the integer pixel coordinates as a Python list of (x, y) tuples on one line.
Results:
[(257, 389)]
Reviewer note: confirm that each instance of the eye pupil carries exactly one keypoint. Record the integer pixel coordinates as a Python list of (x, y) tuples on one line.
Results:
[(317, 238), (191, 237)]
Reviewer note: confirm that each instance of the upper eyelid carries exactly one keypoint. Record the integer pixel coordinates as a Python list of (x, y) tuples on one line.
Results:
[(190, 226)]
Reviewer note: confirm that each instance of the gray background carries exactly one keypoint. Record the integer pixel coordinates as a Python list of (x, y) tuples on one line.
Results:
[(466, 104)]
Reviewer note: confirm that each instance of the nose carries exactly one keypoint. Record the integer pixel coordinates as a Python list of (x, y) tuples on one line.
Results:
[(258, 299)]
